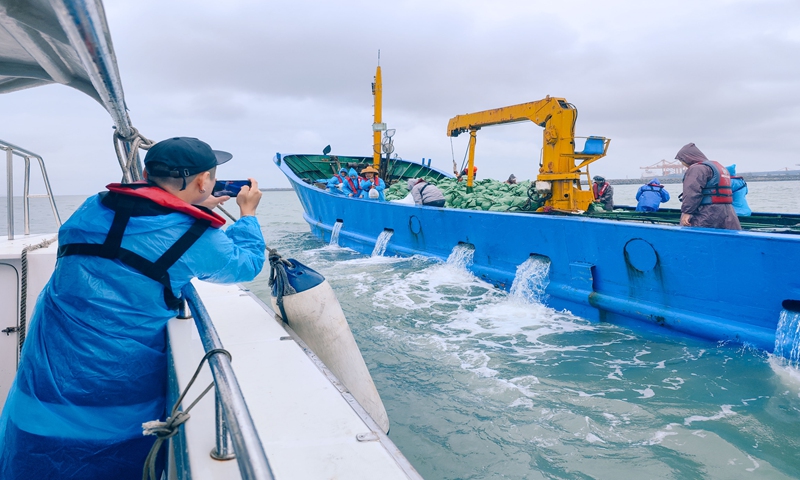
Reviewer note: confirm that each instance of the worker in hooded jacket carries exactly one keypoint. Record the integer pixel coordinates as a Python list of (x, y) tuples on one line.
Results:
[(334, 184), (739, 189), (424, 193), (707, 198), (650, 196), (94, 363), (352, 184)]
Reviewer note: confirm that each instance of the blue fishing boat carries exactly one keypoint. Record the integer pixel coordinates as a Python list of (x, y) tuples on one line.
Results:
[(635, 268)]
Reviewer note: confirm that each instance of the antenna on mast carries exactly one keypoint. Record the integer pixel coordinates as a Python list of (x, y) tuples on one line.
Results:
[(379, 57)]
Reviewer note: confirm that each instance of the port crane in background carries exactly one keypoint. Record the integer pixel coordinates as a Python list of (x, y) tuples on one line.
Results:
[(667, 168), (558, 184)]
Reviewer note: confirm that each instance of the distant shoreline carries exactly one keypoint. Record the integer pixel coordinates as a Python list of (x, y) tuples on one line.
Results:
[(287, 189)]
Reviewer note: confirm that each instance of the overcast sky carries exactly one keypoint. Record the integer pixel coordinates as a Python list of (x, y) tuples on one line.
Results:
[(260, 77)]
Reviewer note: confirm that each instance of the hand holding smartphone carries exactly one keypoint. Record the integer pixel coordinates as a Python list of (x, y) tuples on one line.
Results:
[(230, 188)]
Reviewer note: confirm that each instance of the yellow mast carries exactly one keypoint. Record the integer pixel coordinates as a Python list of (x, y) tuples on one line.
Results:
[(377, 127)]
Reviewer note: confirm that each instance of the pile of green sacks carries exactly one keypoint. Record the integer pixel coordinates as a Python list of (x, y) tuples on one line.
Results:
[(490, 195)]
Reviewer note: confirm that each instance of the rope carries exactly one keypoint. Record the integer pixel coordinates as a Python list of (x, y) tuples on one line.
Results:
[(279, 280), (136, 141), (168, 428), (23, 293)]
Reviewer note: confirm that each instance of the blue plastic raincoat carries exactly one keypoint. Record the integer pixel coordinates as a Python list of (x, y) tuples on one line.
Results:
[(366, 185), (94, 364), (349, 189), (739, 187), (650, 196), (334, 182)]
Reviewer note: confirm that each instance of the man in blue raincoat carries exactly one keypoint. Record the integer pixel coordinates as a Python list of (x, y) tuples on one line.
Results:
[(650, 196), (335, 182), (352, 184), (94, 364)]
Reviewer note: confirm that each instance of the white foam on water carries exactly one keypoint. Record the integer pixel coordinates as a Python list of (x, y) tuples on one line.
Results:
[(726, 412), (592, 438), (659, 437), (646, 393), (788, 375)]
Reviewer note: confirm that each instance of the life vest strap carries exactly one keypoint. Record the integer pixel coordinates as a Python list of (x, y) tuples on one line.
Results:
[(112, 250)]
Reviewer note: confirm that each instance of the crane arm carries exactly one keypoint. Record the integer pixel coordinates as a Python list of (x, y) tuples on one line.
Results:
[(539, 112), (559, 176)]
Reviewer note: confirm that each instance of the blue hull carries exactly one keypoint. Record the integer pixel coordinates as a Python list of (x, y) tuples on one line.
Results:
[(714, 284)]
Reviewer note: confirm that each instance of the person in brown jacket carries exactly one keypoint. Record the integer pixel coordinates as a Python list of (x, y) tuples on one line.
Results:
[(707, 198)]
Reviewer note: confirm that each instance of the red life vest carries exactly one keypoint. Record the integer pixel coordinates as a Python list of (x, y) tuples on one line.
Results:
[(598, 194), (166, 199), (339, 177), (355, 188), (143, 199), (718, 188)]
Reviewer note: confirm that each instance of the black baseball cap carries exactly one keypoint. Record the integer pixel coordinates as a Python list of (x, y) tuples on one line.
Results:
[(181, 157)]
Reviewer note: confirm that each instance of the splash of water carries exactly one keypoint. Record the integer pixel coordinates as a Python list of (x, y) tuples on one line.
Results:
[(337, 227), (787, 337), (461, 256), (381, 243), (531, 280)]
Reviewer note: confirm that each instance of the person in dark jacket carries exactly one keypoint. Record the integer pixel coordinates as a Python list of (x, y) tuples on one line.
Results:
[(707, 200), (603, 193), (650, 196), (425, 194)]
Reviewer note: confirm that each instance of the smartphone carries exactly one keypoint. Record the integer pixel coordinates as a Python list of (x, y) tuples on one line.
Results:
[(229, 187)]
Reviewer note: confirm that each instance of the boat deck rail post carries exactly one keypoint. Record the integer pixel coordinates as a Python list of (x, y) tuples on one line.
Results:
[(26, 155), (232, 415)]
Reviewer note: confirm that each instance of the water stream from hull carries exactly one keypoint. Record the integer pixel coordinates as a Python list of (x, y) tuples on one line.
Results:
[(337, 227), (787, 338), (381, 243)]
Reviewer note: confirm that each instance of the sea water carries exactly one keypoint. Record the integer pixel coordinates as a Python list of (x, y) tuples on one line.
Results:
[(483, 383)]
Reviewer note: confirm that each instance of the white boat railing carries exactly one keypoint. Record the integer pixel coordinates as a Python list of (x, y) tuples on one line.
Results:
[(232, 415), (12, 150)]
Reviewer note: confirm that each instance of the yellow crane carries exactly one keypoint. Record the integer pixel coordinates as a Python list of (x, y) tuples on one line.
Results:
[(558, 182)]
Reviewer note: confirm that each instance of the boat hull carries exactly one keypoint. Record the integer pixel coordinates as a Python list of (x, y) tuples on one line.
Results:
[(714, 284)]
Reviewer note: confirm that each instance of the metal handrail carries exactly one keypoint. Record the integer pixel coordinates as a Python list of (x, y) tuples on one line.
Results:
[(252, 459), (26, 155)]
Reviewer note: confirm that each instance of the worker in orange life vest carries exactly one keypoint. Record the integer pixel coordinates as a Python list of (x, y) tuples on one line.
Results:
[(463, 174), (603, 193), (707, 198)]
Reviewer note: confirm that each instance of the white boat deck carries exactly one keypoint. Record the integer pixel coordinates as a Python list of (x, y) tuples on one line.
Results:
[(307, 427), (308, 424)]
